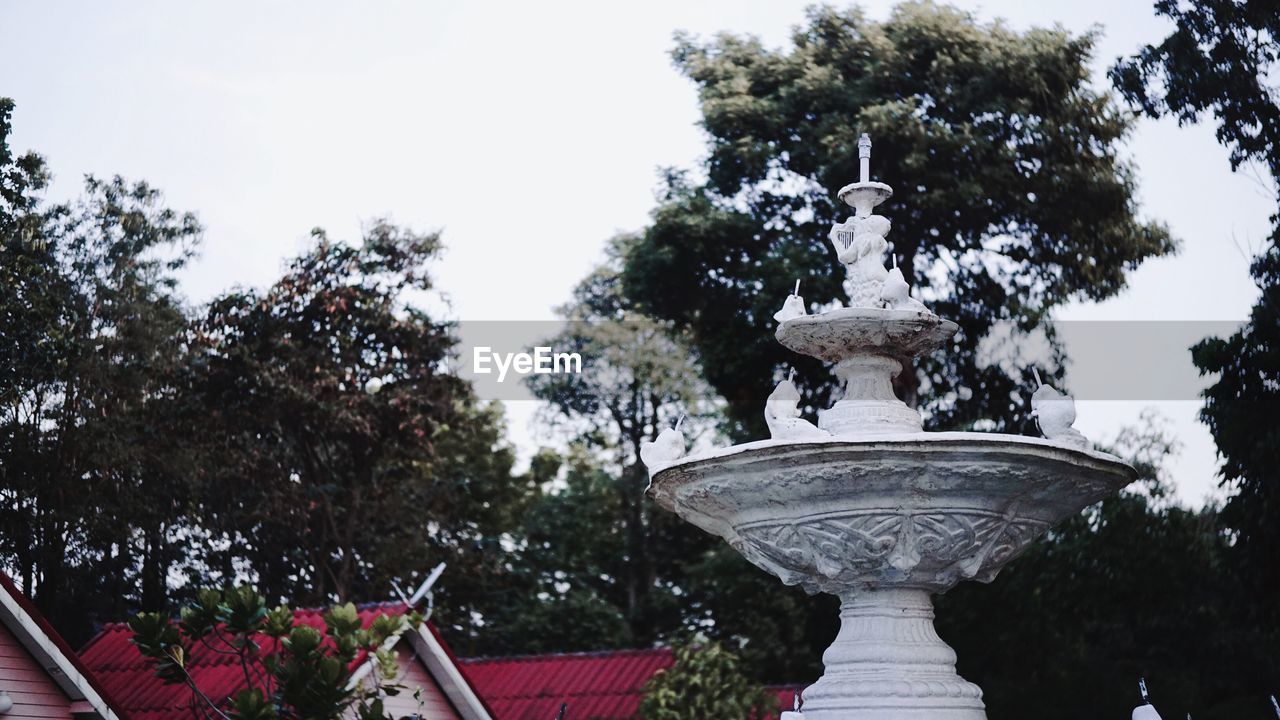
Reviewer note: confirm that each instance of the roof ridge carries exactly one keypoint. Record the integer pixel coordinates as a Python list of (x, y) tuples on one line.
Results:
[(621, 652)]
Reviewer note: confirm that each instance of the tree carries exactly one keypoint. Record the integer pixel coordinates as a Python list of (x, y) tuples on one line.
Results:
[(1221, 59), (347, 454), (594, 548), (1135, 586), (1011, 196), (290, 670), (637, 379), (92, 487), (705, 682), (147, 449), (564, 588)]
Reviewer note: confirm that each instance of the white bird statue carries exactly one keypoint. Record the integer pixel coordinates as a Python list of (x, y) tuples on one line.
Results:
[(782, 414), (896, 293), (792, 307), (1145, 711), (1055, 413), (665, 449), (794, 713)]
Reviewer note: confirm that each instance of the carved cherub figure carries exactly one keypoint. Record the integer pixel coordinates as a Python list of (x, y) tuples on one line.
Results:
[(860, 246), (1055, 413), (782, 414)]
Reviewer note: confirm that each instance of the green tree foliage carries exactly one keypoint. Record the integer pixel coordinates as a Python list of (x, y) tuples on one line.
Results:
[(147, 448), (1134, 587), (1242, 413), (1011, 197), (91, 332), (325, 487), (706, 681), (1222, 59), (638, 378), (566, 586), (289, 670), (598, 565)]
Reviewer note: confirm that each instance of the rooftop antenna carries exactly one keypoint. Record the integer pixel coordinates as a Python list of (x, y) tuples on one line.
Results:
[(424, 590)]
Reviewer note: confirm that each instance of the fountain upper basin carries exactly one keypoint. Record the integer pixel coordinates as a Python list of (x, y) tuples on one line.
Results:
[(841, 333), (912, 510)]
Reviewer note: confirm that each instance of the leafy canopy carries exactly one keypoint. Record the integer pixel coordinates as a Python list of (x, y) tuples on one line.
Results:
[(93, 478), (1222, 59), (1011, 197)]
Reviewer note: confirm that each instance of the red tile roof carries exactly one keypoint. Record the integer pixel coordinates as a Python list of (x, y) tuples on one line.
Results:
[(597, 685), (131, 679)]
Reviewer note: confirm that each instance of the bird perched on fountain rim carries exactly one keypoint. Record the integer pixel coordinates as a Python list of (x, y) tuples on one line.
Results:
[(663, 450), (896, 293), (782, 413), (1055, 413)]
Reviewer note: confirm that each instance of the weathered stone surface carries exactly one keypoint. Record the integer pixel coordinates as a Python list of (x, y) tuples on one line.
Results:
[(883, 522)]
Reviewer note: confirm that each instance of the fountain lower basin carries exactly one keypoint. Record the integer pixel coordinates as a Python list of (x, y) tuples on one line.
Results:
[(884, 522)]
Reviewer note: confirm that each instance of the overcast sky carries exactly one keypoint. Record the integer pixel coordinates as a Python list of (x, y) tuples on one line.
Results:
[(528, 132)]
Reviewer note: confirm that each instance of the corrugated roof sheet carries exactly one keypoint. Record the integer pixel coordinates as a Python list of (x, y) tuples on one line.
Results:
[(130, 678), (596, 685)]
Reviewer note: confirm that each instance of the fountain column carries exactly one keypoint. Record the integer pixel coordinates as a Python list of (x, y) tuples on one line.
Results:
[(888, 663)]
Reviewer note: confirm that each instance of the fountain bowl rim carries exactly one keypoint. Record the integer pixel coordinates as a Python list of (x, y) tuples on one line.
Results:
[(906, 441)]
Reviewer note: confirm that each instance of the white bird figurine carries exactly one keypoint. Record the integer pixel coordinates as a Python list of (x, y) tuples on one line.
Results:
[(896, 293), (792, 307), (1055, 412), (1145, 711), (782, 414), (665, 449), (794, 713)]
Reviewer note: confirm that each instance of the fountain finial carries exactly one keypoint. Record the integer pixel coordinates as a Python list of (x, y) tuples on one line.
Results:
[(1145, 711), (864, 158)]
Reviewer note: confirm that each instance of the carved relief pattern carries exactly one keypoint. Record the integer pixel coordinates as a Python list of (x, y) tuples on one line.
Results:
[(928, 549)]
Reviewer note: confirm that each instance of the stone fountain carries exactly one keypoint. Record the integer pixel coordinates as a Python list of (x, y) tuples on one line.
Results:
[(868, 507)]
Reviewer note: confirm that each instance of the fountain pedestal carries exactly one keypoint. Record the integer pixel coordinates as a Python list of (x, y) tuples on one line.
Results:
[(888, 663)]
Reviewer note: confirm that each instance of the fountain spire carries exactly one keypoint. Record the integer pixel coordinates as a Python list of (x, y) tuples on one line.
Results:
[(864, 158)]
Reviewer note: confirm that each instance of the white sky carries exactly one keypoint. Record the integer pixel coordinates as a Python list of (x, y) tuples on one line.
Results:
[(528, 132)]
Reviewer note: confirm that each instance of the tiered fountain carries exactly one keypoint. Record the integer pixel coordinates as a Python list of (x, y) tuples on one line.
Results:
[(868, 507)]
